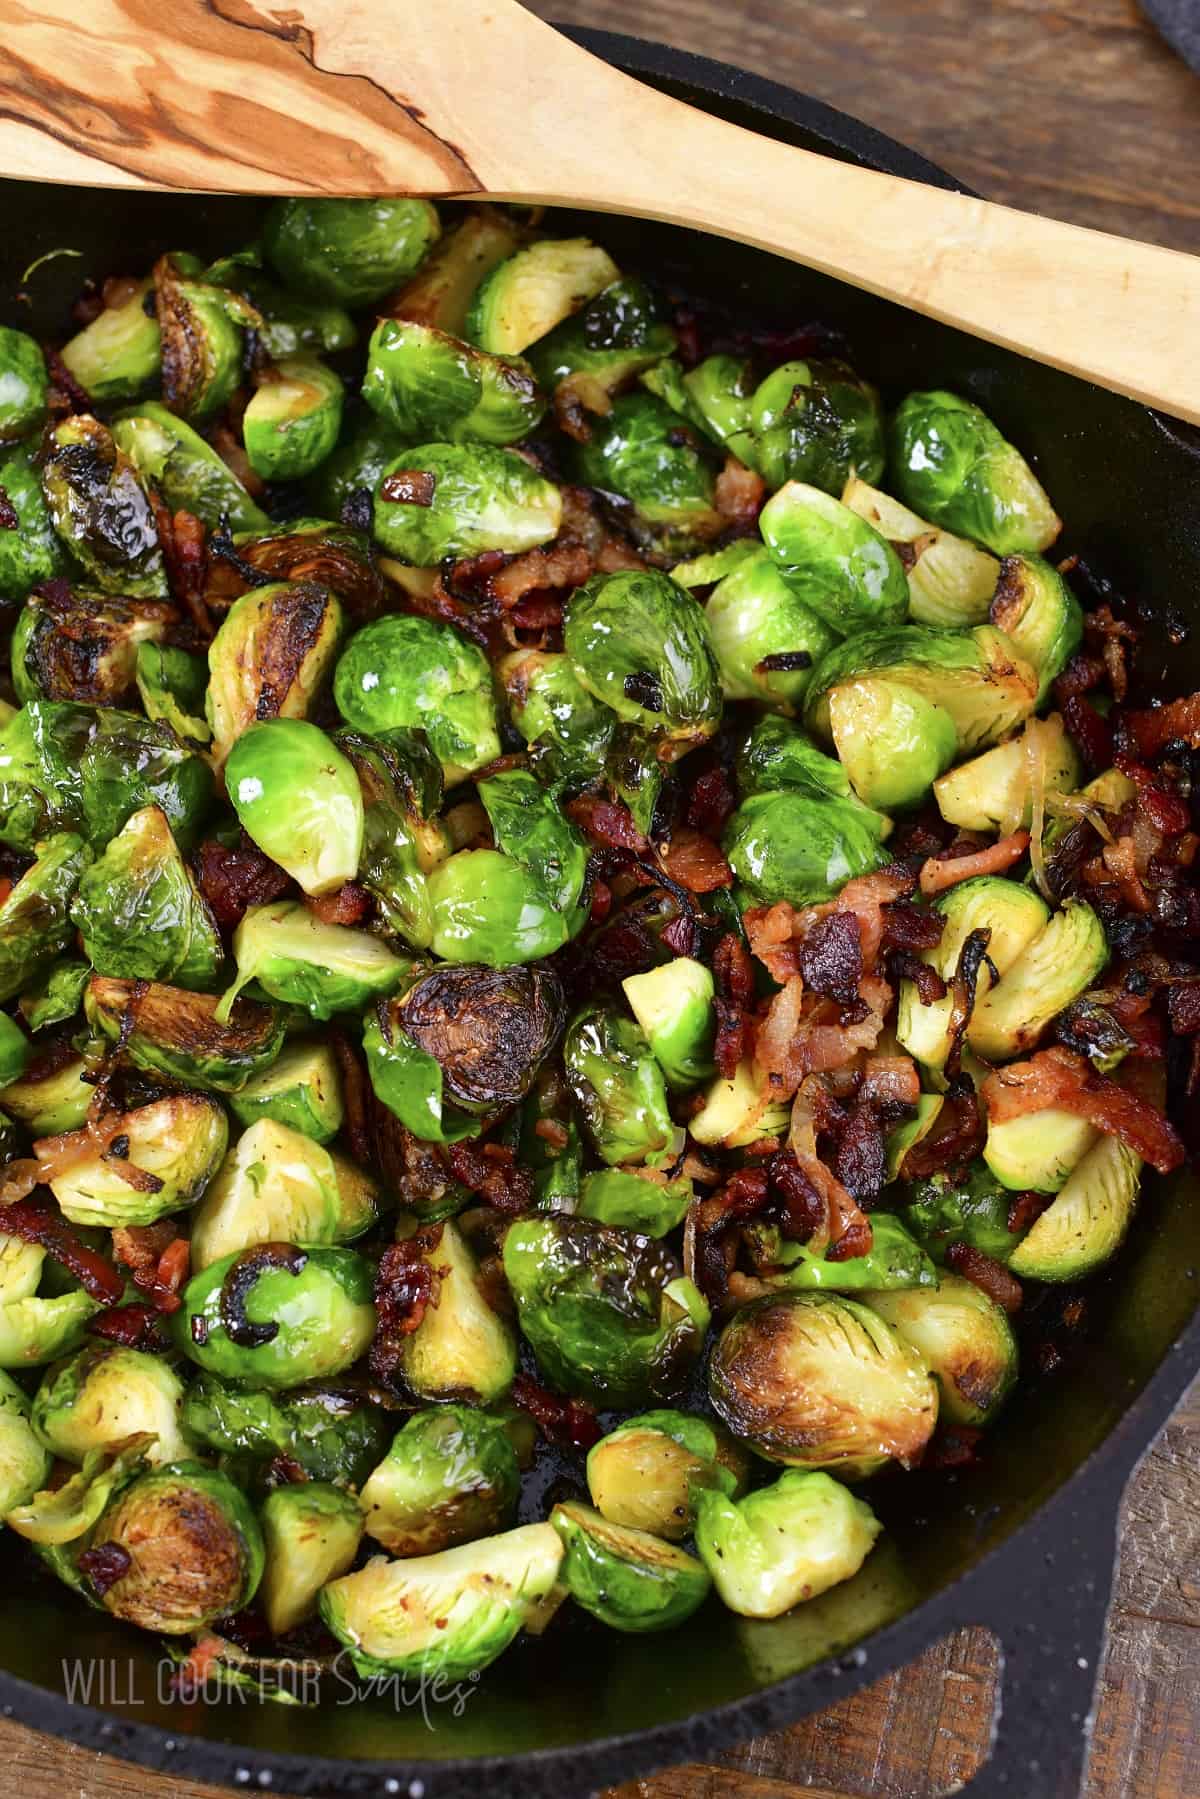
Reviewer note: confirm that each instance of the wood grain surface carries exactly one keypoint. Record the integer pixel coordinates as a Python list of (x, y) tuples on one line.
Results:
[(1076, 109)]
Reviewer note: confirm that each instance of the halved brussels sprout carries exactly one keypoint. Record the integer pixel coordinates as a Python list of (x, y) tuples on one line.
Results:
[(817, 422), (302, 1090), (333, 1432), (674, 1006), (401, 784), (202, 337), (765, 637), (276, 1185), (24, 1463), (32, 552), (293, 418), (295, 958), (441, 291), (963, 1338), (194, 1547), (36, 1329), (622, 1198), (968, 1208), (648, 1472), (299, 799), (175, 1146), (290, 325), (56, 994), (820, 1381), (462, 1349), (737, 1111), (171, 685), (351, 473), (177, 1034), (891, 740), (348, 251), (311, 1534), (715, 396), (100, 509), (1034, 607), (994, 792), (641, 644), (567, 729), (1085, 1224), (444, 1616), (627, 1578), (894, 1259), (50, 1098), (597, 351), (1037, 1151), (531, 292), (783, 1544), (620, 1089), (488, 908), (489, 1030), (274, 650), (416, 672), (450, 500), (35, 923), (952, 465), (65, 1514), (801, 846), (186, 470), (276, 1315), (950, 581), (23, 385), (529, 825), (451, 1475), (606, 1312), (15, 1050), (430, 388), (79, 645), (1060, 963), (778, 755), (641, 451), (106, 1394), (140, 913), (834, 562), (119, 355)]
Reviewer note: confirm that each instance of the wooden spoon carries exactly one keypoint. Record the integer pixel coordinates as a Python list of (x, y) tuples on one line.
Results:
[(479, 98)]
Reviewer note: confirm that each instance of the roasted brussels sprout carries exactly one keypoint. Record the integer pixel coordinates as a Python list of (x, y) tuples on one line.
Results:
[(532, 291), (801, 846), (295, 958), (450, 500), (783, 1544), (529, 825), (489, 1030), (332, 1433), (816, 422), (647, 1472), (1037, 611), (106, 1394), (35, 921), (894, 1259), (177, 1034), (174, 1147), (567, 729), (348, 251), (447, 1615), (119, 355), (835, 564), (591, 355), (32, 551), (627, 1578), (441, 291), (56, 994), (765, 637), (641, 644), (140, 913), (36, 1328), (892, 741), (488, 908), (450, 1476), (429, 387), (714, 396), (401, 785), (290, 325), (15, 1051), (101, 511), (52, 1097), (171, 685), (1036, 1152), (778, 755), (124, 762), (621, 1197), (301, 1090), (994, 792), (462, 1349), (950, 581), (23, 385), (952, 465), (65, 1514), (1085, 1224), (273, 652), (635, 775), (607, 1314), (971, 1207), (311, 1534), (71, 644), (820, 1381), (194, 1549), (641, 451), (963, 1338), (1059, 964), (674, 1006), (275, 1315), (736, 1111), (418, 673), (24, 1463), (293, 418), (276, 1185), (186, 470), (620, 1089), (299, 799)]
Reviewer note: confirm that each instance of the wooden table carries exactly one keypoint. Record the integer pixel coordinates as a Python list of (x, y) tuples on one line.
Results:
[(1075, 109)]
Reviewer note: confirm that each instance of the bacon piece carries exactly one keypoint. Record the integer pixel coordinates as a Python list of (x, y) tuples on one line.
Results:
[(1168, 812), (232, 880), (1147, 733), (493, 1173), (953, 1446), (37, 1223), (831, 959), (733, 976), (739, 493), (1091, 733), (132, 1326), (860, 1161), (891, 1081), (569, 1423), (696, 862), (351, 904), (1059, 1077), (910, 927), (405, 1287), (772, 939), (225, 442), (940, 872), (956, 1138), (1024, 1210), (139, 1246), (711, 802), (607, 822), (562, 565), (984, 1272), (182, 539), (792, 1043), (162, 1279)]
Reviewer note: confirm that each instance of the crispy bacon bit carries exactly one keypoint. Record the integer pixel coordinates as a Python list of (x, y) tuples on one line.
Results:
[(773, 942), (940, 872), (984, 1272), (1183, 1009), (831, 960), (925, 978), (9, 517), (910, 927), (1146, 734), (1090, 733), (680, 936), (711, 802), (229, 448), (956, 1138), (561, 566), (803, 1209), (139, 1246), (1167, 812), (182, 540), (233, 880), (860, 1161), (606, 822), (37, 1223), (1059, 1077), (408, 487), (66, 395), (162, 1279), (350, 905), (405, 1288), (1024, 1209), (552, 1132), (570, 1423), (733, 976), (104, 1564), (891, 1082), (132, 1326), (792, 1042), (696, 862), (739, 492), (493, 1173)]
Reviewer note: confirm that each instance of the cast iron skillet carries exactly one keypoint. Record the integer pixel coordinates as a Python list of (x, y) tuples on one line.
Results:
[(1024, 1545)]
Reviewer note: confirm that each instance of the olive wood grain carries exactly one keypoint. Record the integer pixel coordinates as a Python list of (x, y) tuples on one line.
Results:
[(480, 97)]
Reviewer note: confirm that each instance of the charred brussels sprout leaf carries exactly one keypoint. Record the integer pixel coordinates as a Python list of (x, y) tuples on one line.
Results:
[(952, 465), (965, 1341), (450, 1476), (617, 336), (24, 1463), (431, 388), (307, 551), (441, 500), (140, 913), (100, 509), (488, 908), (348, 251), (31, 551), (276, 1316), (620, 1089), (194, 1547), (35, 920), (642, 451), (301, 1090), (627, 1578), (299, 799), (833, 560), (531, 292), (401, 784), (105, 1394), (641, 644), (648, 1472), (273, 652), (174, 1147), (23, 385), (784, 1543), (410, 1082), (311, 1534), (462, 1349), (177, 1034), (276, 1185), (333, 1433), (778, 755), (801, 846), (488, 1029), (567, 729), (186, 470), (765, 637), (56, 994), (293, 419), (418, 673), (528, 825), (76, 645), (816, 422), (297, 959)]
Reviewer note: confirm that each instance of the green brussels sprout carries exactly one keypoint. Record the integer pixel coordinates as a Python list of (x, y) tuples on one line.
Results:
[(171, 685), (66, 1514), (442, 289), (835, 563), (1060, 963), (302, 1090), (627, 1578), (24, 1463), (462, 1349), (443, 500), (175, 1146), (419, 673), (119, 355), (674, 1006), (56, 994), (78, 645), (606, 1312), (488, 908), (620, 1089), (333, 1433), (640, 451), (816, 422), (891, 740), (778, 755), (1085, 1224), (298, 797), (348, 251), (488, 1030), (187, 472), (714, 396), (105, 1394), (784, 1543), (15, 1051), (450, 1476), (430, 388), (23, 385), (647, 1472), (201, 332), (273, 652), (290, 325), (52, 1097), (21, 1265), (529, 293), (1036, 1152), (712, 566), (905, 1136), (100, 509), (140, 913), (994, 792), (276, 1185), (366, 449), (971, 1207), (952, 465), (194, 1547), (177, 1034), (567, 730), (401, 785), (950, 581), (275, 1315), (765, 637), (37, 1329), (124, 763), (635, 775), (820, 1381), (35, 920), (801, 846), (529, 825), (616, 336), (297, 959), (41, 779), (619, 1197), (642, 645), (895, 1259), (31, 552), (444, 1616), (293, 419), (311, 1535), (1037, 611), (963, 1338)]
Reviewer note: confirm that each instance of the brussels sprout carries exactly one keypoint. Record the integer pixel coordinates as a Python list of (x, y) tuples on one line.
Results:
[(21, 1265), (187, 472), (528, 824), (77, 645), (487, 908), (450, 500), (441, 291), (952, 465), (50, 1099), (994, 792), (627, 1578), (1036, 609), (904, 1137), (976, 676), (100, 510), (674, 1006), (411, 1082), (348, 251), (894, 1259), (302, 1091), (275, 1315), (1037, 1151), (711, 567), (715, 396), (276, 1185), (177, 1034), (641, 644), (24, 1463), (765, 637), (67, 1513), (950, 581), (310, 1535), (352, 472), (175, 1146), (171, 685), (785, 1543), (290, 325), (451, 1475), (640, 451), (488, 1030), (444, 1616), (737, 1112), (431, 388), (36, 1329), (401, 785), (606, 1313), (817, 422), (23, 385), (531, 292), (15, 1050), (293, 418), (201, 331), (621, 1198), (1085, 1224), (600, 349), (969, 1208), (647, 1472), (779, 755), (891, 740), (105, 1394), (299, 799), (620, 1089), (41, 785), (127, 763), (635, 776), (416, 672), (140, 913), (820, 1381), (567, 730), (119, 355), (194, 1547), (964, 1339), (32, 552), (273, 652), (295, 958), (35, 923), (835, 563), (332, 1433), (1060, 963), (56, 994), (462, 1349), (801, 846)]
